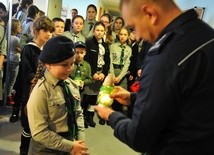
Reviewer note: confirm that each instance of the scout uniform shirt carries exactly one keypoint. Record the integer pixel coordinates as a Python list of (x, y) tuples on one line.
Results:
[(3, 46), (119, 60), (47, 113), (88, 26), (73, 36)]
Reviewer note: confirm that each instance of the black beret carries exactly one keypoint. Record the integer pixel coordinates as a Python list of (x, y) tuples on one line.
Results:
[(57, 49), (80, 44)]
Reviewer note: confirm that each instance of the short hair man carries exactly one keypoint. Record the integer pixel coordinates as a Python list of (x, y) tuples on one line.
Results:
[(173, 110)]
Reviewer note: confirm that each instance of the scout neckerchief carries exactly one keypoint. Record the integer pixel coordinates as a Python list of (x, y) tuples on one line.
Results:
[(70, 107)]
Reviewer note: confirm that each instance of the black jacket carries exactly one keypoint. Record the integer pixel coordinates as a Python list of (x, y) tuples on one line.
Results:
[(28, 66), (92, 55)]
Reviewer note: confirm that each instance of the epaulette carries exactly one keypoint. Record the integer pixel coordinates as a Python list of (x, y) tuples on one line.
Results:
[(160, 42), (40, 81)]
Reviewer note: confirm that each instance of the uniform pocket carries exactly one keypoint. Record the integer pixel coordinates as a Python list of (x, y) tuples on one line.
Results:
[(56, 108)]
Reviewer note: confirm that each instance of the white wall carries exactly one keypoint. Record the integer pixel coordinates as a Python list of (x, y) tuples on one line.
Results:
[(42, 5), (207, 4), (80, 5)]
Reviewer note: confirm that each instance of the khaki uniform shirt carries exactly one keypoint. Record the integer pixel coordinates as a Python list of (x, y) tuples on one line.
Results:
[(3, 41), (74, 37), (3, 47), (47, 113), (115, 54), (87, 29)]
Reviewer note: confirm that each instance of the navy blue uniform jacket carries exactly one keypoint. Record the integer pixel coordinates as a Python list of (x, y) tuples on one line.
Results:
[(174, 110)]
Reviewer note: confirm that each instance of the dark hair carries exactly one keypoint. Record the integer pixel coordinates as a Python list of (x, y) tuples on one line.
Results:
[(6, 17), (109, 37), (32, 11), (91, 6), (77, 16), (107, 15), (41, 13), (97, 24), (2, 6), (74, 9), (121, 18), (26, 2), (44, 23), (57, 19)]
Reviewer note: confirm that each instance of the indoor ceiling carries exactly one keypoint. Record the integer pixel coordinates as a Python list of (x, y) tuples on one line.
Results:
[(112, 6)]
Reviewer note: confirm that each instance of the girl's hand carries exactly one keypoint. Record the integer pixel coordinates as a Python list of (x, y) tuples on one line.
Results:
[(79, 148), (116, 80), (101, 76), (96, 76)]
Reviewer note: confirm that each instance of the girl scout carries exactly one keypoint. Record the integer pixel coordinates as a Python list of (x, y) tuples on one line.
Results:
[(54, 111)]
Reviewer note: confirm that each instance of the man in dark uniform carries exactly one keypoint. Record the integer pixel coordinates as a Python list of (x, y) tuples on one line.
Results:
[(173, 110)]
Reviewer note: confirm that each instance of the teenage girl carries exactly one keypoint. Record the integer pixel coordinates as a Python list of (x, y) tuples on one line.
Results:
[(42, 32), (120, 53), (97, 56), (91, 13), (14, 58), (75, 33)]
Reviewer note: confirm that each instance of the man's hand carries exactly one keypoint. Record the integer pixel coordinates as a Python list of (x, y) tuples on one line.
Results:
[(121, 95), (103, 112)]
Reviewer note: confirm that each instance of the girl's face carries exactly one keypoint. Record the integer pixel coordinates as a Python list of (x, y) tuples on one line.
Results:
[(62, 69), (118, 24), (91, 13), (19, 28), (77, 25), (99, 32), (123, 35), (59, 27), (105, 21), (43, 35), (73, 13)]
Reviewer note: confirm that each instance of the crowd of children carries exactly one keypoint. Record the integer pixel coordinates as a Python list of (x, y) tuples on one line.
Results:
[(79, 56)]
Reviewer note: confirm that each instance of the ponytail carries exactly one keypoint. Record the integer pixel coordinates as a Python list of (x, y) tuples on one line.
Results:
[(37, 75)]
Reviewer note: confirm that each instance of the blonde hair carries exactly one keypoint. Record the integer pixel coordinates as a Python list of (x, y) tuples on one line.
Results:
[(15, 24)]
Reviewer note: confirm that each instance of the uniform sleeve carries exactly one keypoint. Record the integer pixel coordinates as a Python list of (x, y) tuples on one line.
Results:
[(28, 72), (17, 43), (38, 117), (3, 41), (111, 70), (88, 78), (154, 106), (80, 121)]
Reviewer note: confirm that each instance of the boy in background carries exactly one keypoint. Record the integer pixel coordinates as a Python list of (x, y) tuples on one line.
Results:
[(82, 73), (59, 26)]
